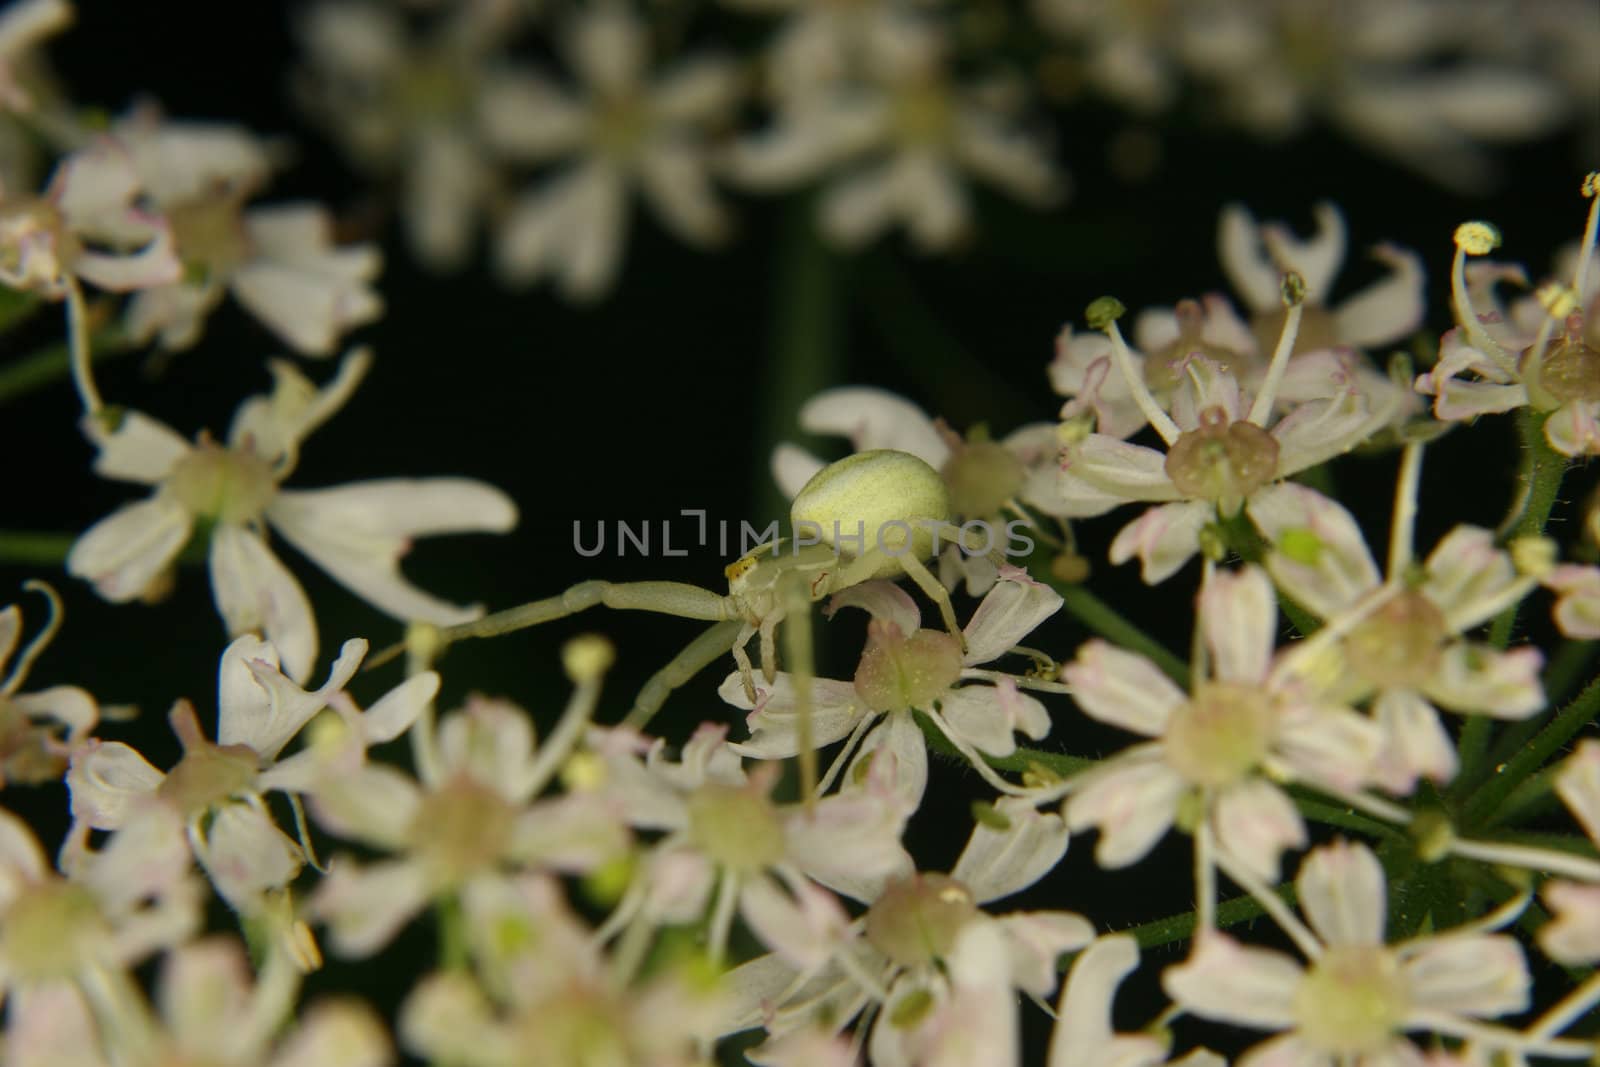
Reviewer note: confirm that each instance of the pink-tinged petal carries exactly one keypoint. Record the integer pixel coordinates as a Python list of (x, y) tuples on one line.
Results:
[(1330, 744), (987, 716), (1458, 401), (1132, 472), (1320, 375), (1318, 259), (1578, 784), (893, 752), (247, 856), (1083, 1033), (307, 306), (875, 418), (1290, 1051), (397, 709), (48, 1023), (94, 182), (337, 1034), (979, 1023), (109, 780), (1256, 822), (124, 553), (1204, 385), (375, 803), (1573, 429), (1164, 538), (792, 468), (1012, 609), (1319, 556), (851, 836), (364, 907), (1572, 936), (204, 993), (804, 1048), (774, 734), (140, 450), (1121, 688), (273, 426), (1343, 894), (1239, 616), (1036, 941), (883, 600), (1388, 309), (1577, 607), (999, 862), (1468, 576), (680, 885), (1319, 430), (1469, 974), (256, 594), (1416, 744), (491, 741), (572, 834), (267, 714), (1230, 982), (1083, 370), (804, 928), (1132, 803), (1478, 678), (157, 263), (359, 532), (1243, 259)]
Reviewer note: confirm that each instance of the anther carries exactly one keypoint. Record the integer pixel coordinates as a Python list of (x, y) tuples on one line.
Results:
[(1477, 238)]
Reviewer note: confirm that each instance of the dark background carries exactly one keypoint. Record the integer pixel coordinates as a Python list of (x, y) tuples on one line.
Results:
[(664, 396)]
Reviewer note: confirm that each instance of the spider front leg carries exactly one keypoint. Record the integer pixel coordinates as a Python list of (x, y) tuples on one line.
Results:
[(695, 657), (872, 562)]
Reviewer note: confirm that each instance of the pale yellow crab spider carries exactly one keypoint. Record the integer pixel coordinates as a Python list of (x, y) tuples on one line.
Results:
[(876, 514)]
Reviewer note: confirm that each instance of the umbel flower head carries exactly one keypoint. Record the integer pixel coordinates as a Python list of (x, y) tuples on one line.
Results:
[(231, 493)]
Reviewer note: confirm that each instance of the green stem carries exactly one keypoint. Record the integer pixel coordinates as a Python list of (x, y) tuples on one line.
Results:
[(16, 308), (452, 928), (1508, 776), (1567, 668), (1543, 468), (1536, 792), (1230, 912), (34, 548), (1021, 761), (54, 362), (806, 353)]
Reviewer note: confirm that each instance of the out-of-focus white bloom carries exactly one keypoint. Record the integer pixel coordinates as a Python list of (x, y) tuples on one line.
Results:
[(1358, 996), (547, 995), (404, 105), (132, 897), (1409, 655), (1572, 936), (1083, 1035), (210, 1010), (819, 45), (623, 129), (898, 143), (945, 970), (1219, 752), (85, 226), (23, 27), (1543, 353), (1370, 68), (1577, 606), (904, 668), (32, 748), (218, 786), (279, 261), (467, 817), (1128, 51), (727, 840), (231, 493)]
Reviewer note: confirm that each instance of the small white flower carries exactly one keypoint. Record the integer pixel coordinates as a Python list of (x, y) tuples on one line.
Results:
[(1410, 654), (356, 532), (279, 261), (904, 668), (33, 749), (1572, 936), (900, 140), (1358, 996), (85, 226), (623, 130), (1219, 751)]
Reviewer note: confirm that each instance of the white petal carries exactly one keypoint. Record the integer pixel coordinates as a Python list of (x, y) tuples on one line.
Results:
[(875, 418), (1472, 974), (1319, 556), (141, 449), (1573, 429), (1239, 615), (1468, 575), (376, 803), (1479, 678), (607, 45), (1577, 607), (1132, 802), (1416, 744), (358, 532), (1164, 538), (674, 179), (309, 308), (1083, 1033), (1342, 892), (1132, 472), (1122, 688), (792, 468), (896, 753), (257, 594), (125, 552), (835, 710), (1387, 310), (526, 117), (338, 1034), (1241, 254), (1572, 936), (1578, 785), (1328, 743), (1256, 822), (246, 856), (986, 716), (997, 863), (883, 600), (444, 185), (108, 781), (397, 709), (261, 707), (365, 907), (1011, 611), (1230, 982)]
